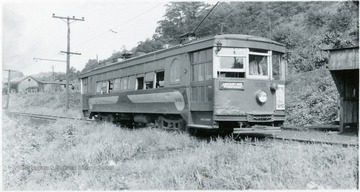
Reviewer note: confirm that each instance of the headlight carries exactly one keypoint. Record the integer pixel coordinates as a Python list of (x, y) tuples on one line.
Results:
[(261, 96)]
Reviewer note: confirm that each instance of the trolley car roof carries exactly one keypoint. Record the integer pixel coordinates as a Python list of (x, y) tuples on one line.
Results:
[(226, 40)]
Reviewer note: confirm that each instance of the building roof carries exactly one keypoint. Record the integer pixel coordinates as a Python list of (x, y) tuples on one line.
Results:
[(17, 79), (53, 82), (344, 59)]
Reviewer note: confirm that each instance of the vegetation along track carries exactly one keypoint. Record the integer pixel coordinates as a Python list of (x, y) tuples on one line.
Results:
[(273, 136)]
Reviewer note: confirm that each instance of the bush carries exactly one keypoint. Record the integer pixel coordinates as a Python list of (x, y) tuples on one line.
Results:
[(311, 98)]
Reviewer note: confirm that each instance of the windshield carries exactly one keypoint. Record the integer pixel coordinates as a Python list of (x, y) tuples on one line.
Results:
[(232, 62), (249, 63)]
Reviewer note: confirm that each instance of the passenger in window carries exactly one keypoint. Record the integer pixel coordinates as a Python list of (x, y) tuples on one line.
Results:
[(253, 66), (257, 67), (263, 66)]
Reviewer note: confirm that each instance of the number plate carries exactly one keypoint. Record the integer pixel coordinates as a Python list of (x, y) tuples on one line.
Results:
[(232, 85)]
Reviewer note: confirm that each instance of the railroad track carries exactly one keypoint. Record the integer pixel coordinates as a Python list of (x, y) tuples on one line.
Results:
[(275, 137), (310, 141), (45, 117)]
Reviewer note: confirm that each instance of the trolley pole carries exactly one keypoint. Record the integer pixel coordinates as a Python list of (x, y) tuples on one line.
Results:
[(67, 20), (8, 90)]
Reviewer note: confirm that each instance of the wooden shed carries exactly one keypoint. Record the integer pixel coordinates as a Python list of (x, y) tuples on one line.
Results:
[(344, 68), (28, 84)]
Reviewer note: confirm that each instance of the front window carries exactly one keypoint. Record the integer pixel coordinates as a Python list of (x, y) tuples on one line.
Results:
[(232, 62), (258, 65), (249, 63), (279, 66)]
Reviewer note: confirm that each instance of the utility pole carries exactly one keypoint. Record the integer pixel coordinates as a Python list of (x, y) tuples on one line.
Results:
[(53, 75), (67, 20), (8, 90)]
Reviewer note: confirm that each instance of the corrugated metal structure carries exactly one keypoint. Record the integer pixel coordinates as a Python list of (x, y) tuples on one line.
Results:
[(344, 68)]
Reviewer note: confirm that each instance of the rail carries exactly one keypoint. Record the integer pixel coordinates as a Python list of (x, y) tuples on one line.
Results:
[(314, 141), (46, 117)]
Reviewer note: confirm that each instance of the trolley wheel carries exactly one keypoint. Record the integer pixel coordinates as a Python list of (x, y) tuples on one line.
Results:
[(192, 131), (109, 118), (98, 118)]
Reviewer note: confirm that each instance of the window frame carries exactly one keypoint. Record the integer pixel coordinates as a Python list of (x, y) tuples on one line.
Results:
[(137, 82), (156, 79), (217, 70), (173, 73), (84, 85), (268, 62)]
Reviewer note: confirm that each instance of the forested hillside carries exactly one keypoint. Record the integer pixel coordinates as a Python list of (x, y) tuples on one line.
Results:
[(306, 28)]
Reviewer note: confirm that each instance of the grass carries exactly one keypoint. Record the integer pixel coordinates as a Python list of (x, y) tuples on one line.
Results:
[(45, 103), (149, 159)]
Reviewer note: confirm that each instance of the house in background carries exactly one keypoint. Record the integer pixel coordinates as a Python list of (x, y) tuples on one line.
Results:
[(29, 85)]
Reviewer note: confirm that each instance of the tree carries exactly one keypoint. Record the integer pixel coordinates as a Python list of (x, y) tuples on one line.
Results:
[(343, 27), (149, 45), (91, 64), (180, 18)]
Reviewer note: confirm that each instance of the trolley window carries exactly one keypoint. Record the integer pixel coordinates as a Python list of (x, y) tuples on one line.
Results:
[(279, 66), (132, 82), (175, 71), (98, 87), (104, 87), (231, 62), (139, 83), (259, 64), (124, 83), (111, 85), (84, 85), (149, 80), (117, 85), (159, 78)]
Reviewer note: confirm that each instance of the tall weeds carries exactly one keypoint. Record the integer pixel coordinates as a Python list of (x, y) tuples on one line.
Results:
[(78, 155)]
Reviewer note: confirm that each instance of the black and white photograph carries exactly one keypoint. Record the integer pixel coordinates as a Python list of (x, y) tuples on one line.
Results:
[(179, 95)]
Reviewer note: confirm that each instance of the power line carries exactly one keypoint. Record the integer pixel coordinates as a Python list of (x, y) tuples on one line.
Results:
[(205, 17), (112, 29), (42, 59), (106, 32)]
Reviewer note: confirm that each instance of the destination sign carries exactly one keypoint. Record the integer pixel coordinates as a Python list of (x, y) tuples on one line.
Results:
[(232, 85)]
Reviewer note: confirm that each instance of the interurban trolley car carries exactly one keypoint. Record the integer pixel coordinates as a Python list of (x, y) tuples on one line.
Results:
[(229, 83)]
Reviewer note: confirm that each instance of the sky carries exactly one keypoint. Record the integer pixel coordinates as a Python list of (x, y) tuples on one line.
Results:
[(29, 31)]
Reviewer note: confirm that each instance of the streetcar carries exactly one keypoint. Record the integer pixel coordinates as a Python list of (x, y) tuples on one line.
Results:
[(230, 83)]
